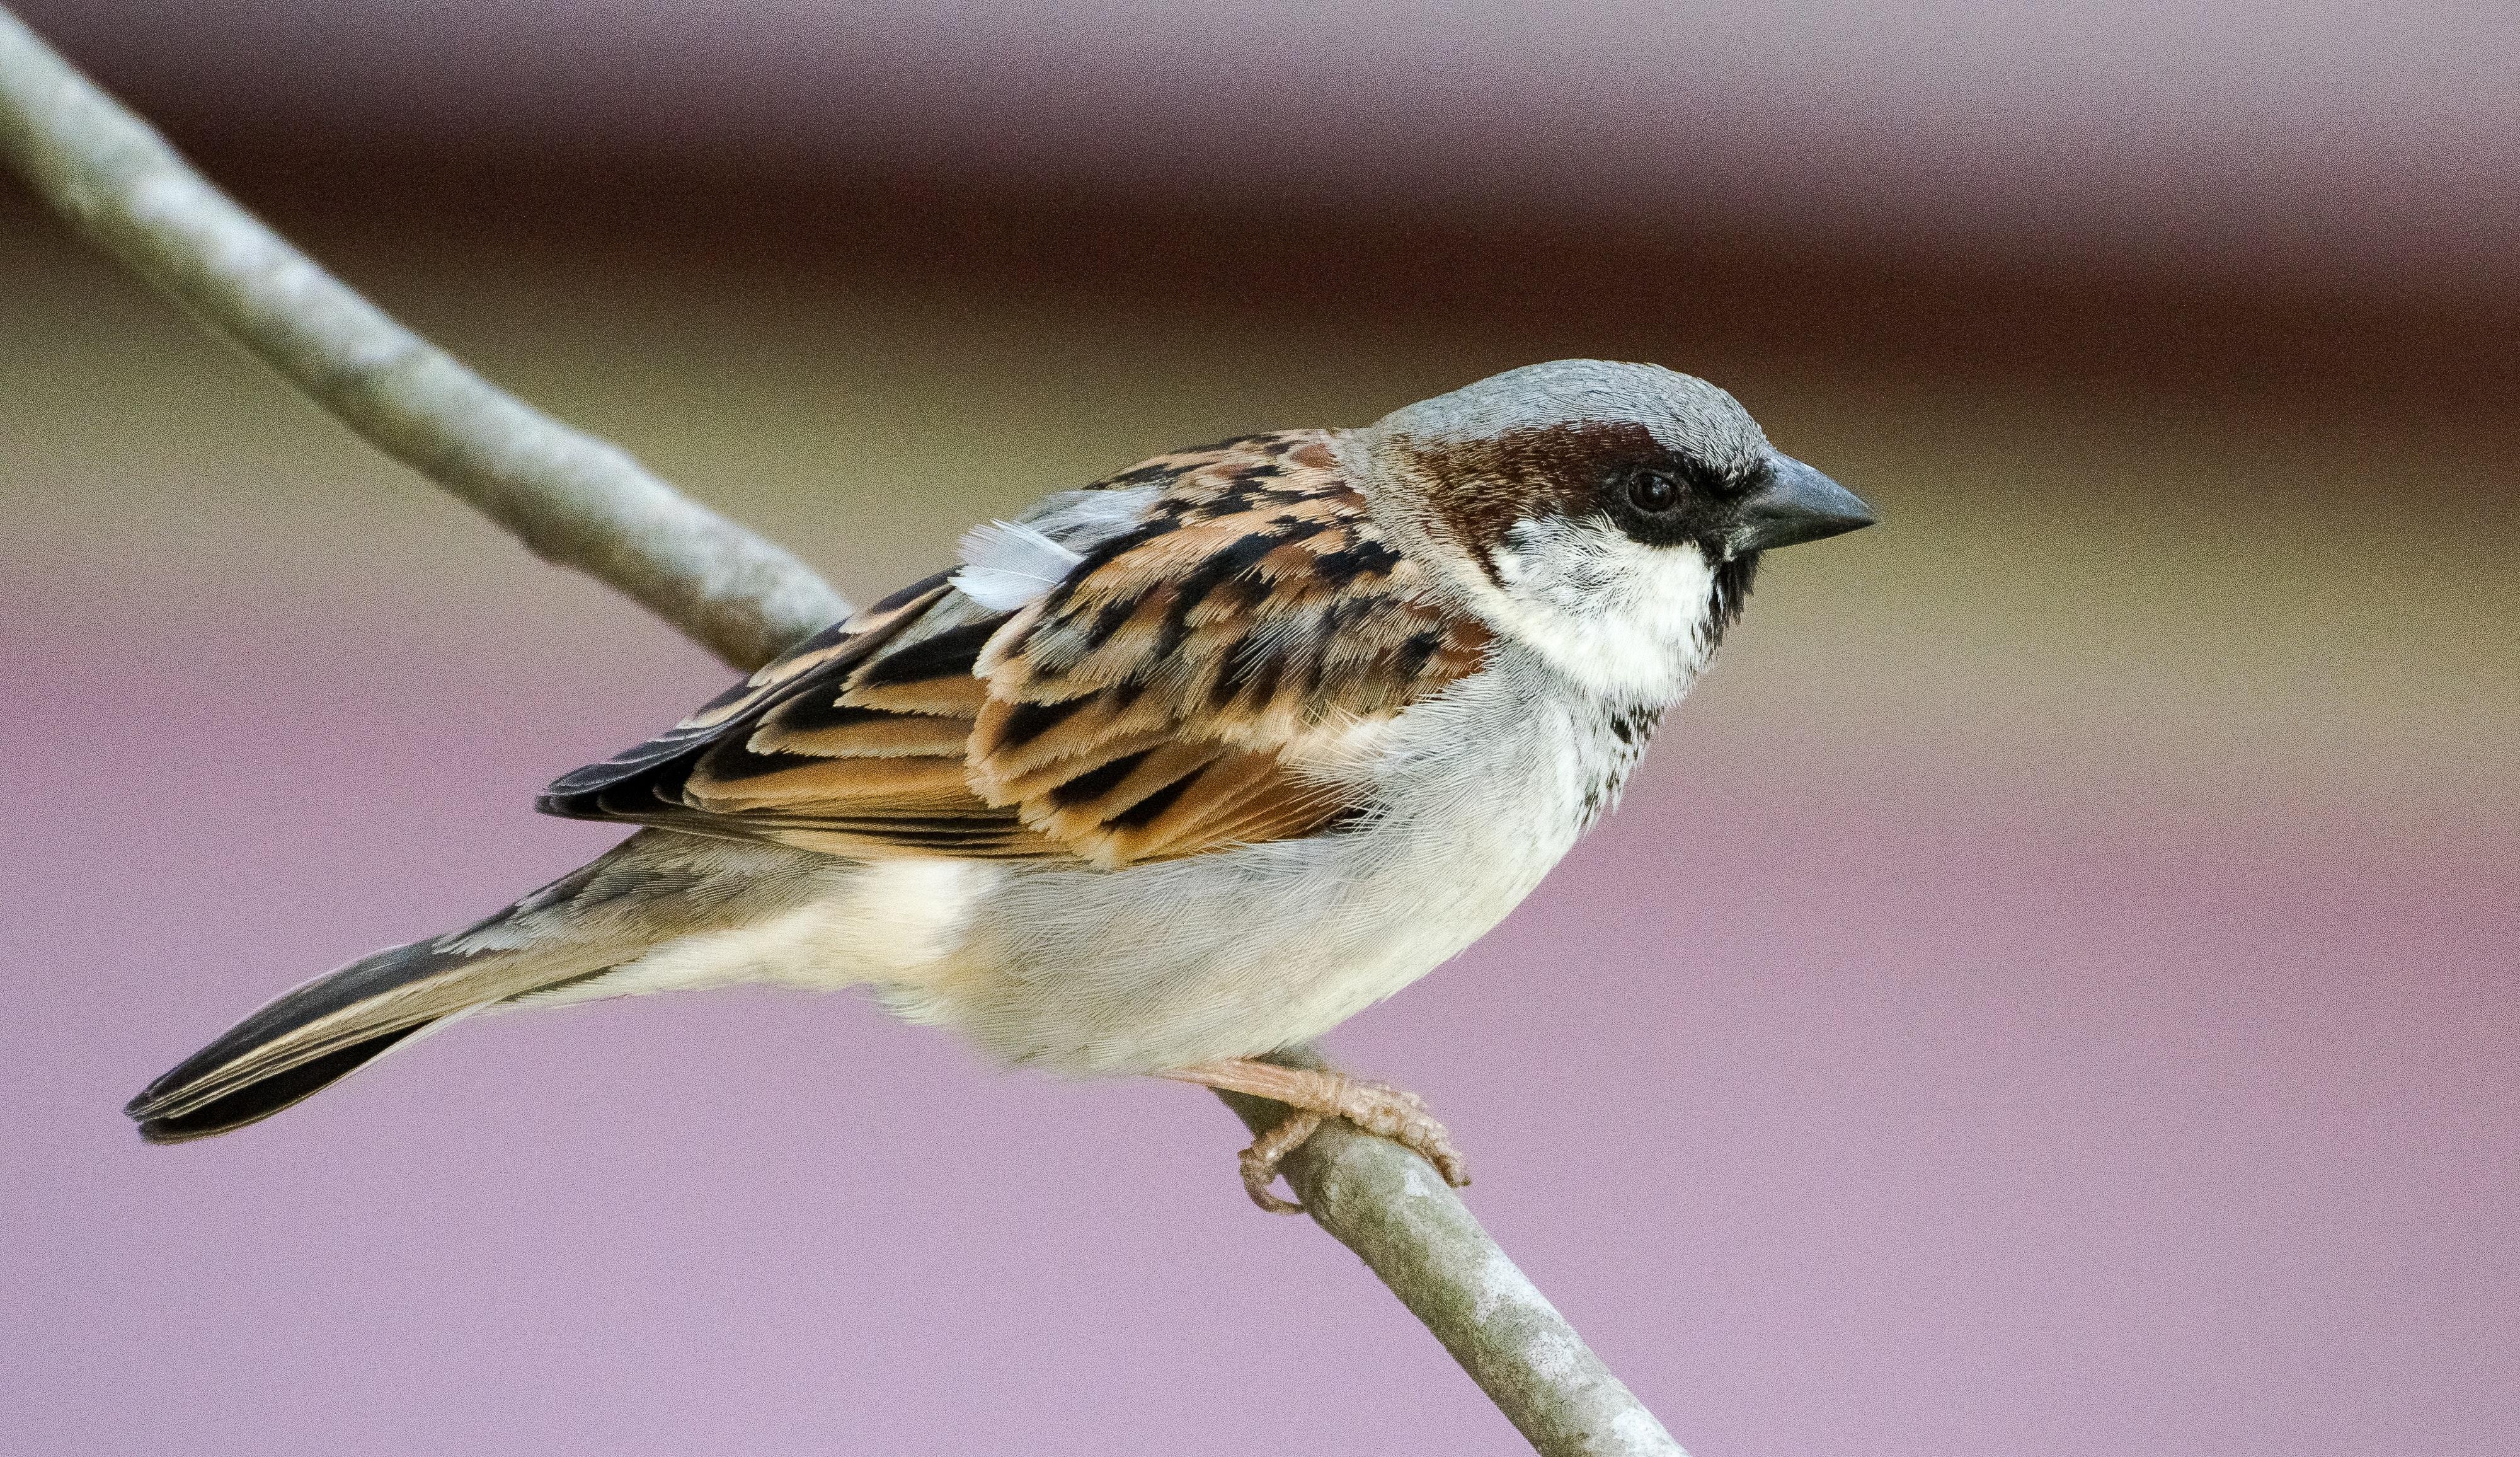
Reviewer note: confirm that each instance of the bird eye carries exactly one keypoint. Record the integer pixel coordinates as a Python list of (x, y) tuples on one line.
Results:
[(1652, 491)]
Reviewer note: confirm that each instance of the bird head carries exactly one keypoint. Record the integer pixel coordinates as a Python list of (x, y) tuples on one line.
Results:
[(1609, 517)]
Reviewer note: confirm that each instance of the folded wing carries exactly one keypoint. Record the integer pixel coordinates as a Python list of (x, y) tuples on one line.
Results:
[(1230, 633)]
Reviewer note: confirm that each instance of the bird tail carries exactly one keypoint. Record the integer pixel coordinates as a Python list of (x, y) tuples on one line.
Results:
[(653, 887), (305, 1041)]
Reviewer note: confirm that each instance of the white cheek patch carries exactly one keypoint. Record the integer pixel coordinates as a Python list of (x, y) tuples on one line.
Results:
[(1628, 620)]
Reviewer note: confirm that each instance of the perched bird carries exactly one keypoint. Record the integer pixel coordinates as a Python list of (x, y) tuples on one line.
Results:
[(1175, 771)]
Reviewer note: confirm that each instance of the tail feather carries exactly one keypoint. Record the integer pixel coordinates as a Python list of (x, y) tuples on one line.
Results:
[(255, 1101), (310, 1039), (651, 888)]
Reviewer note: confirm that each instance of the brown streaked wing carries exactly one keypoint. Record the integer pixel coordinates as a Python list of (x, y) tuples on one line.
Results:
[(843, 643), (1176, 693), (776, 757), (1183, 687)]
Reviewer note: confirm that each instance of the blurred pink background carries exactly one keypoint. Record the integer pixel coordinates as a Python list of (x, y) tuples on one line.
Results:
[(2051, 990)]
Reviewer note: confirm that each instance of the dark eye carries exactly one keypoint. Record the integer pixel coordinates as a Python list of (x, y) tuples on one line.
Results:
[(1652, 491)]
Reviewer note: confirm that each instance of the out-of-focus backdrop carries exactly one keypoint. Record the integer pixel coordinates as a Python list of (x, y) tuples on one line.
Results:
[(2051, 990)]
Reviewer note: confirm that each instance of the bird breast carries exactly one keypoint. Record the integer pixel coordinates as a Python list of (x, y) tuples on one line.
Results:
[(1477, 793)]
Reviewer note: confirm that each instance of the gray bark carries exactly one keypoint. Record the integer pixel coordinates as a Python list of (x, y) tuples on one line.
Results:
[(1412, 1231), (570, 497)]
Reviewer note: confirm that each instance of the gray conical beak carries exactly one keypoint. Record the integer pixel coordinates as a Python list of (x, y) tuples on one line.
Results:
[(1797, 504)]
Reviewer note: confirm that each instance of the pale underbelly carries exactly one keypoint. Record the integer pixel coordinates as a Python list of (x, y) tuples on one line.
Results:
[(1228, 955)]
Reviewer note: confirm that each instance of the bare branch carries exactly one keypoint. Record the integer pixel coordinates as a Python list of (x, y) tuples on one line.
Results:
[(572, 498), (584, 503), (1412, 1231)]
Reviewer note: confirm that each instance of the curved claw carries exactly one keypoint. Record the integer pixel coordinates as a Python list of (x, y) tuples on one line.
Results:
[(1260, 1160), (1316, 1095)]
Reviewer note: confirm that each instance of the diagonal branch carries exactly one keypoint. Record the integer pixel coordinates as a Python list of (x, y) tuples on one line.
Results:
[(572, 498), (1412, 1231), (584, 503)]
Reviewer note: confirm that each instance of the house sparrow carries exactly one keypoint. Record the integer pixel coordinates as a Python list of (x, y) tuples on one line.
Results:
[(1173, 772)]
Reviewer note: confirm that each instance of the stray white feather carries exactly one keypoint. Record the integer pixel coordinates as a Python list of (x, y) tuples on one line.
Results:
[(1007, 566)]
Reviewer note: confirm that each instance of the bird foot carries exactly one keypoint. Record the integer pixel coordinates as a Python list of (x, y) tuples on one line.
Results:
[(1316, 1095)]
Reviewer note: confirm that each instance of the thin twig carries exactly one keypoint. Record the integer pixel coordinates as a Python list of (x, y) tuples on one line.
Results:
[(584, 503), (572, 498), (1411, 1230)]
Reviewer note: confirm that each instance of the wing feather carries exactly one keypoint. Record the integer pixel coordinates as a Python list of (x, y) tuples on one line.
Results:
[(1231, 617)]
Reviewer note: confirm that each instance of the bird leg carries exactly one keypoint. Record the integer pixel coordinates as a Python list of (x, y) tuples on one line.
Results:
[(1316, 1094)]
